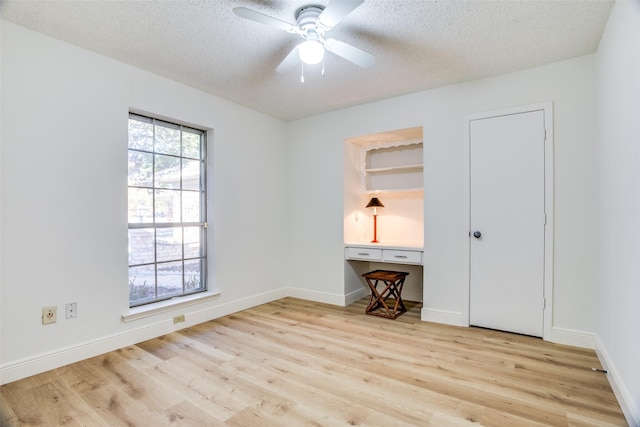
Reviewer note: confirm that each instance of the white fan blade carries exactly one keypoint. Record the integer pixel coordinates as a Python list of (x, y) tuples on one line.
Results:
[(350, 53), (290, 61), (245, 13), (336, 10)]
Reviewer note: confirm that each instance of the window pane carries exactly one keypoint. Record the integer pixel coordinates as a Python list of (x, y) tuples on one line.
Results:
[(169, 279), (141, 246), (167, 205), (140, 169), (190, 174), (142, 284), (140, 135), (193, 275), (166, 190), (140, 205), (192, 239), (167, 172), (190, 206), (167, 140), (191, 145), (169, 244)]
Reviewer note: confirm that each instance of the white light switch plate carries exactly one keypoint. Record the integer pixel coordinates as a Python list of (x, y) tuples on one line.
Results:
[(70, 310)]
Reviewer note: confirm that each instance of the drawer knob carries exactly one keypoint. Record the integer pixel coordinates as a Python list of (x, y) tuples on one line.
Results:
[(400, 256), (363, 253)]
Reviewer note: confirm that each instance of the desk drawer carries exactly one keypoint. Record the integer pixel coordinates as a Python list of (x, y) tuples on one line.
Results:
[(402, 257), (364, 254)]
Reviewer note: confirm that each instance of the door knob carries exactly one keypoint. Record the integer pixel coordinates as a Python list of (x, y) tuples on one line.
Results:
[(477, 234)]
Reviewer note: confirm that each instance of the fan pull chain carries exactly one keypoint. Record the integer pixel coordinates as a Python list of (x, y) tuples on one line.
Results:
[(323, 67), (302, 73)]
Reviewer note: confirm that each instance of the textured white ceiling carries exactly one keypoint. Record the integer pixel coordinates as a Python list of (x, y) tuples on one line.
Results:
[(418, 44)]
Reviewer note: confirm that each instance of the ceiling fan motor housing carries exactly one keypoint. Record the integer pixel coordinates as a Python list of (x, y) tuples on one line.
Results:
[(307, 19)]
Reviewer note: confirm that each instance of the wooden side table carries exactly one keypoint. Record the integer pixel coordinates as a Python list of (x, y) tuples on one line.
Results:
[(379, 304)]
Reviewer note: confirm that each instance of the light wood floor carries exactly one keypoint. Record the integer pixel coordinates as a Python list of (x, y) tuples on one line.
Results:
[(296, 363)]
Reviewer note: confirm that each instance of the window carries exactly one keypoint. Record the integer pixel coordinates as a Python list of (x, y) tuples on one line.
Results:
[(167, 210)]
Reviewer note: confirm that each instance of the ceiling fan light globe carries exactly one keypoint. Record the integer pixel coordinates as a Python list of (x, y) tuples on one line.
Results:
[(311, 52)]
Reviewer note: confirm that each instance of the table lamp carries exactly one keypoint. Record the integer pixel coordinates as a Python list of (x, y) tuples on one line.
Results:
[(375, 203)]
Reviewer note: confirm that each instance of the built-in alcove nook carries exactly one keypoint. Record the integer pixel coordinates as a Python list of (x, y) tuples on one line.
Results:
[(387, 166)]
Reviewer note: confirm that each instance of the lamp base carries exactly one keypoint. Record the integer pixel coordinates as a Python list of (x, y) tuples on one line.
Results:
[(375, 229)]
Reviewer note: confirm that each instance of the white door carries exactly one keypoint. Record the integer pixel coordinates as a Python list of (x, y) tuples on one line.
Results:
[(507, 221)]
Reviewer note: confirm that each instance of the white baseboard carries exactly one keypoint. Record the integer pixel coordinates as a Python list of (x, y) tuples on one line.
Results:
[(32, 365), (627, 404), (573, 337), (354, 296), (325, 297), (559, 335), (442, 316)]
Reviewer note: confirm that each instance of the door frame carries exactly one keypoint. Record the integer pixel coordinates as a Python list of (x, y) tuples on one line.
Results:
[(547, 108)]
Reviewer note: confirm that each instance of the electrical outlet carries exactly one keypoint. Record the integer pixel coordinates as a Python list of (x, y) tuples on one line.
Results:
[(178, 319), (70, 310), (49, 315)]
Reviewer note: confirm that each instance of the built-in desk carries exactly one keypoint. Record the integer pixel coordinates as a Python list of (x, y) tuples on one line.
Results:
[(363, 257), (380, 253)]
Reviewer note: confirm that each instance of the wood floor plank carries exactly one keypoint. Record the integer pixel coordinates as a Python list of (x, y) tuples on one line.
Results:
[(57, 404), (115, 402), (22, 407), (298, 363), (7, 414), (187, 414)]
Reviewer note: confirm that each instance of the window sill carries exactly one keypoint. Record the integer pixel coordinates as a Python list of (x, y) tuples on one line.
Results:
[(149, 310)]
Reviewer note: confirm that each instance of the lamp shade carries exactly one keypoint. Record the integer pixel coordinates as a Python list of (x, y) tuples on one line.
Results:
[(375, 203), (311, 52)]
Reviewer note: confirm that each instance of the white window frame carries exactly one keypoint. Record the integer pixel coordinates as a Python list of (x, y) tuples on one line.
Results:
[(149, 221)]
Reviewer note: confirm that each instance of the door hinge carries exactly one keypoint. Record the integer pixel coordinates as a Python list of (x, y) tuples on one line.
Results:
[(545, 219), (544, 303)]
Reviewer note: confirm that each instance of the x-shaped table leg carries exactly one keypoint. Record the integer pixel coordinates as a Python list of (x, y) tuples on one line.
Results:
[(393, 288)]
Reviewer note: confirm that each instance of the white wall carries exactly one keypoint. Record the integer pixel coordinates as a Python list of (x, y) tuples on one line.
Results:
[(618, 152), (64, 200), (316, 187)]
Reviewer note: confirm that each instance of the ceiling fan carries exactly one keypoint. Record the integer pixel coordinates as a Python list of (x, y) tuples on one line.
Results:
[(312, 24)]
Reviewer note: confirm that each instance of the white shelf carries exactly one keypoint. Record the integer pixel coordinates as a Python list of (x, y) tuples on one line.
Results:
[(397, 167), (394, 168)]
